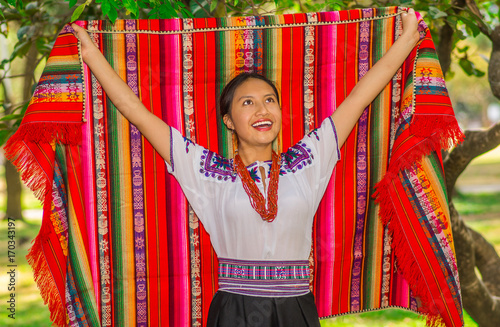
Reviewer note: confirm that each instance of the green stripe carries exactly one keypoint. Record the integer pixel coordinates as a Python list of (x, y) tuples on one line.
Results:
[(115, 211), (74, 260), (62, 68)]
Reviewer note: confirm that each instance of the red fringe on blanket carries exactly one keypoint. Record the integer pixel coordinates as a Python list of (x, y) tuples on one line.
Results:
[(436, 135), (45, 282), (20, 150), (27, 163)]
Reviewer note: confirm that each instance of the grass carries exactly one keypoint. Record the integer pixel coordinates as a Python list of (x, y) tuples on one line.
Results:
[(384, 318), (478, 205), (483, 170), (30, 310)]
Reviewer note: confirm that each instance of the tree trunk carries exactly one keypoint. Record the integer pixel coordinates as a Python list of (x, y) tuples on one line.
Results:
[(494, 64), (13, 191), (480, 293), (478, 298), (13, 183)]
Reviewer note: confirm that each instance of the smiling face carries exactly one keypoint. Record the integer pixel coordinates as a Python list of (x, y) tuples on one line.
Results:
[(255, 115)]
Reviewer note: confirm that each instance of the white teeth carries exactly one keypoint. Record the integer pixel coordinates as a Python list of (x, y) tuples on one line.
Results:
[(261, 123)]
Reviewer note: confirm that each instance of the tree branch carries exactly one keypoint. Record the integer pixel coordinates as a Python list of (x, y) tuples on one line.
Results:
[(445, 45), (476, 297), (254, 9), (487, 261), (475, 144), (206, 11), (472, 5), (494, 64)]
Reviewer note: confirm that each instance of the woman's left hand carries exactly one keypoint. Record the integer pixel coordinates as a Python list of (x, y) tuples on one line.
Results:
[(410, 26)]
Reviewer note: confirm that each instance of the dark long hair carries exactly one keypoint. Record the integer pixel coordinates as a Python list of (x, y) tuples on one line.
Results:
[(227, 95)]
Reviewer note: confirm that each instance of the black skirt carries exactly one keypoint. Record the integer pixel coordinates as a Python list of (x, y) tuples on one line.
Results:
[(235, 310)]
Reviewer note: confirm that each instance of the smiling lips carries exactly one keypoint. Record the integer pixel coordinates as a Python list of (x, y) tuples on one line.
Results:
[(263, 125)]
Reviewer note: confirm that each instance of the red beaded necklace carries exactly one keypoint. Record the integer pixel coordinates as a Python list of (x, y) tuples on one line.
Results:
[(256, 199)]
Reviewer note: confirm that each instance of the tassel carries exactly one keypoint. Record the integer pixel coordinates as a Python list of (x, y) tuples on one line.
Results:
[(406, 262), (434, 135), (31, 173), (45, 282)]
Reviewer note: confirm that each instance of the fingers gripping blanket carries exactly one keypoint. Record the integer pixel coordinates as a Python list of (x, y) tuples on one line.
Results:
[(119, 245)]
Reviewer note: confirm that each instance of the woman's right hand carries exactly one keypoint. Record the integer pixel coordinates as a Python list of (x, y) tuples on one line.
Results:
[(124, 99)]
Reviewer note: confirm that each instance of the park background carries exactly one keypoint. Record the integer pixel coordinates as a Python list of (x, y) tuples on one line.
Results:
[(28, 29)]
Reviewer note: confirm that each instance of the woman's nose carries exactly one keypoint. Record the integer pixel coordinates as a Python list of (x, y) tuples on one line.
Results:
[(262, 108)]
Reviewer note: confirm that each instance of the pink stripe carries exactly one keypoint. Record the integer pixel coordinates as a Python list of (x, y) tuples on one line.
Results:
[(179, 206), (88, 178), (328, 103), (403, 294)]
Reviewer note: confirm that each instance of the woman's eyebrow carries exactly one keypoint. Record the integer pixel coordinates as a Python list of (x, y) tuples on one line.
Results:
[(244, 96), (251, 96)]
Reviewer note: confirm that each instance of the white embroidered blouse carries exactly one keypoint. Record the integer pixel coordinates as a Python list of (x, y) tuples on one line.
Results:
[(236, 230)]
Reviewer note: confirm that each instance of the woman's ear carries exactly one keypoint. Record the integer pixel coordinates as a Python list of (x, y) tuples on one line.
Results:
[(228, 122)]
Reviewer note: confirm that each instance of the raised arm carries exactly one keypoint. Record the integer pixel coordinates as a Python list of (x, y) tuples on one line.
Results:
[(153, 128), (375, 80)]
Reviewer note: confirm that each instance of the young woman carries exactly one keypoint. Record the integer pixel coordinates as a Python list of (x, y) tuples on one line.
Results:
[(264, 221)]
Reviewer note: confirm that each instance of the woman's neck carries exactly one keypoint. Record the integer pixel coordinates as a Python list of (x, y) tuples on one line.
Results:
[(250, 155)]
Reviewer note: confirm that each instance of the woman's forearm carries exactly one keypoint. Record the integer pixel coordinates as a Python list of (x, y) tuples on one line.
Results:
[(375, 80), (153, 128)]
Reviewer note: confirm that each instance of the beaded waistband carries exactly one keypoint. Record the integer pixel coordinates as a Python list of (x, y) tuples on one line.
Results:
[(264, 278)]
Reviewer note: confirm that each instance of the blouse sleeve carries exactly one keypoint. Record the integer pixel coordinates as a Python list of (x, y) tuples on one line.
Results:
[(198, 171), (314, 158)]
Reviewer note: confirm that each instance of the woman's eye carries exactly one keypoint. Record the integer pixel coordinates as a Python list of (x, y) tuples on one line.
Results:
[(247, 102), (270, 100)]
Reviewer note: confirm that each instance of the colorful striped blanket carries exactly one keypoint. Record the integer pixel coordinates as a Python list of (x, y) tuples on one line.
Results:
[(120, 246)]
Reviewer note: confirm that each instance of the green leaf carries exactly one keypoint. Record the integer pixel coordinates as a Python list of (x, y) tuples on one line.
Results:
[(186, 13), (112, 14), (466, 66), (4, 135), (154, 13), (105, 7), (166, 10), (78, 11), (435, 13), (131, 6), (11, 117), (213, 5), (72, 3), (143, 4), (469, 68), (24, 107), (478, 73), (20, 49), (32, 7), (470, 26), (22, 31), (464, 49), (460, 34)]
